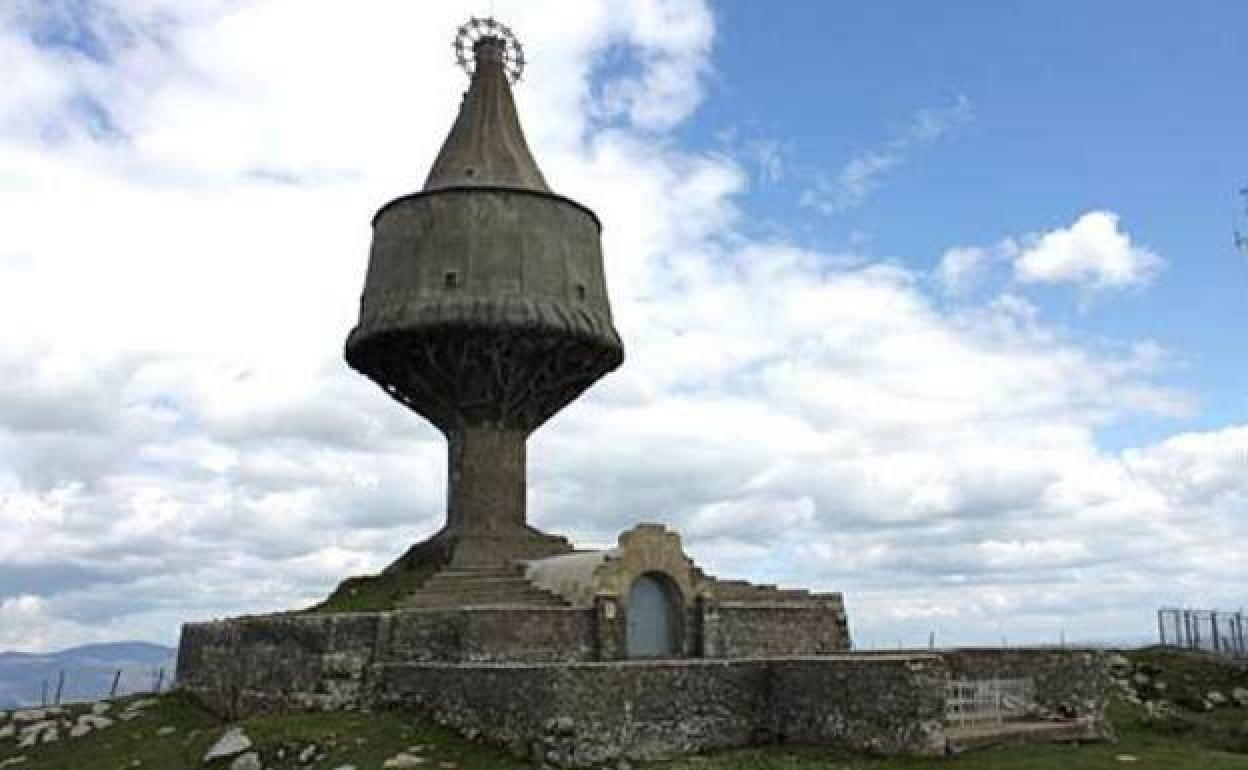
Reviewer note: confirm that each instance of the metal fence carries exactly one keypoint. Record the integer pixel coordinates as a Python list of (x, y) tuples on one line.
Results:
[(970, 702), (1224, 633), (84, 686)]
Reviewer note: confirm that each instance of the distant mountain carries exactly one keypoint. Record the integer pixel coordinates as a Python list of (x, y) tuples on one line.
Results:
[(89, 672)]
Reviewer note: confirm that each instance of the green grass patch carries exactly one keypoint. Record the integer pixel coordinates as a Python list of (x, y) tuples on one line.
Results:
[(363, 739)]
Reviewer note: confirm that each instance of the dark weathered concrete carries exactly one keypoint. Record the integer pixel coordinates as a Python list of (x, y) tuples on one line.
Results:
[(485, 310)]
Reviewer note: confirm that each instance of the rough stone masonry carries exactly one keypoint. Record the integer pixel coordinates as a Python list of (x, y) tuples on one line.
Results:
[(485, 310)]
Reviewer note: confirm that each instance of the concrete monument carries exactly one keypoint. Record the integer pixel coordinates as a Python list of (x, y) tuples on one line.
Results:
[(485, 310)]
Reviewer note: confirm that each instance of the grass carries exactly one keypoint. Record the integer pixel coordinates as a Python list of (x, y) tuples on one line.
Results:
[(1187, 739), (357, 738)]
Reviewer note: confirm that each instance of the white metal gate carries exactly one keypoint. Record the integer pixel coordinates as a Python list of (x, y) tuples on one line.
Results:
[(987, 701)]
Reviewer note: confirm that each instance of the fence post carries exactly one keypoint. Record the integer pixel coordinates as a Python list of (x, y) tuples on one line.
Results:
[(1161, 626), (112, 691), (60, 685), (43, 694), (160, 679)]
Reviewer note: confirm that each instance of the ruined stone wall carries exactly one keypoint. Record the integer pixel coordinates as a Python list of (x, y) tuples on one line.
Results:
[(771, 629), (587, 714)]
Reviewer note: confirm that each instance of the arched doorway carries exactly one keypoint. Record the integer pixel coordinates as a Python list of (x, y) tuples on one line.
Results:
[(653, 617)]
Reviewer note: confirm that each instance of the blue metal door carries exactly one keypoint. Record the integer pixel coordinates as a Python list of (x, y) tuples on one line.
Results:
[(650, 619)]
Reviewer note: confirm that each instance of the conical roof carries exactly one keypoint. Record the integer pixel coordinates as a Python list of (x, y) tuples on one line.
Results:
[(486, 146)]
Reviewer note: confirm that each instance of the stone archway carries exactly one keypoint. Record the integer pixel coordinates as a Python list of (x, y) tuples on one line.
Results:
[(654, 617)]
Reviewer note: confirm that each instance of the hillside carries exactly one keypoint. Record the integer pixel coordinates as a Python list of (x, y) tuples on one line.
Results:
[(1192, 730), (89, 671)]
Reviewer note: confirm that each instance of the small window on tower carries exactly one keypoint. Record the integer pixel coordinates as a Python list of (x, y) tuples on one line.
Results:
[(580, 291), (451, 279)]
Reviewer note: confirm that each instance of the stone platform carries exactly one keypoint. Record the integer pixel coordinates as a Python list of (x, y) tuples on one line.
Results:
[(583, 713)]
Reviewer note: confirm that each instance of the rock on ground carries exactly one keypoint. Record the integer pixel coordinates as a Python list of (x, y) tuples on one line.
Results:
[(231, 743), (403, 759), (248, 761)]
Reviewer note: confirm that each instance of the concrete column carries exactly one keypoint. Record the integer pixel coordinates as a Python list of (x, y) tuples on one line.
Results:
[(486, 488), (609, 627)]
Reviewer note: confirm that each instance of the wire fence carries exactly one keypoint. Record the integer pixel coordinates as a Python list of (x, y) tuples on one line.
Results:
[(1216, 631), (61, 687)]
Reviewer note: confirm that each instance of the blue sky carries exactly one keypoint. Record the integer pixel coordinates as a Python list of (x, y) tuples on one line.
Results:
[(934, 304), (1129, 106)]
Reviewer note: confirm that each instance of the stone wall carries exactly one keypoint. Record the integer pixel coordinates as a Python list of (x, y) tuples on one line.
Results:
[(770, 629), (588, 713), (1068, 682), (277, 662), (312, 661), (889, 704), (534, 634)]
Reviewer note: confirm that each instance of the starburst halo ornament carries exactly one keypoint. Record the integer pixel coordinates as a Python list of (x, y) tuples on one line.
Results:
[(473, 31)]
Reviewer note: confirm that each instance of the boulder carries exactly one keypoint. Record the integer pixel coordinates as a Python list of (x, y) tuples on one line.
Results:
[(1216, 698), (231, 743), (1240, 696), (248, 761), (95, 721), (403, 759)]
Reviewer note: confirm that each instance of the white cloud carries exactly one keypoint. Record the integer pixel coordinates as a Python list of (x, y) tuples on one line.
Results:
[(179, 438), (1093, 253), (864, 173), (961, 266)]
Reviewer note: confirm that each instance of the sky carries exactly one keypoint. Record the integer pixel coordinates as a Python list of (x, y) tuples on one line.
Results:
[(933, 304)]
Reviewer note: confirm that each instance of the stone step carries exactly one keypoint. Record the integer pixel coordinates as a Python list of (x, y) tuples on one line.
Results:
[(478, 587), (964, 738), (476, 580), (479, 595), (473, 572), (441, 601)]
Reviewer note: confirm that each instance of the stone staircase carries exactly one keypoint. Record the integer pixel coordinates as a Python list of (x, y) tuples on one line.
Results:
[(742, 591), (495, 586)]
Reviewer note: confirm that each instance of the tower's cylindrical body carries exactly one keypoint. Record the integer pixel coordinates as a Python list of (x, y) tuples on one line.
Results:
[(485, 310)]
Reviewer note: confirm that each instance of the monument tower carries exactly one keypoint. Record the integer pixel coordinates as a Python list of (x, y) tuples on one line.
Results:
[(485, 309)]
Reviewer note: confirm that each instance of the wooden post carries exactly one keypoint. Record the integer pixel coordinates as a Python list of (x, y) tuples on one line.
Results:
[(43, 696), (112, 691), (60, 685), (1161, 626), (160, 680)]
